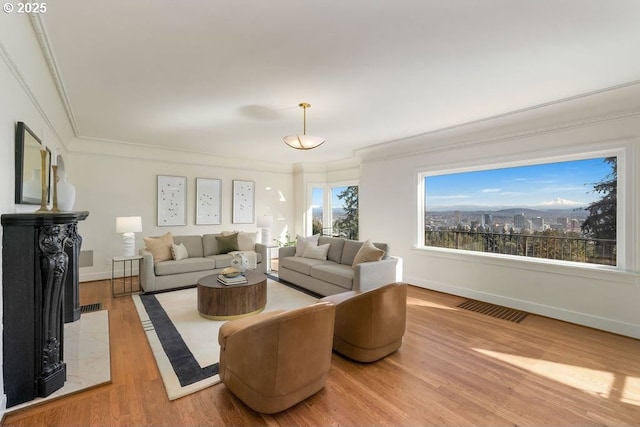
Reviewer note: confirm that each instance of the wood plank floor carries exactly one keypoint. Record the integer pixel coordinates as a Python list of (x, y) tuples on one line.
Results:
[(455, 367)]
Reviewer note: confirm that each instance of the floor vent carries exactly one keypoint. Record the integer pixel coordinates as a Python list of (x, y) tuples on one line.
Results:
[(90, 307), (492, 310)]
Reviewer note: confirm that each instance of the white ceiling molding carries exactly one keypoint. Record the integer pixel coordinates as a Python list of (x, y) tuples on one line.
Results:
[(624, 101), (45, 46)]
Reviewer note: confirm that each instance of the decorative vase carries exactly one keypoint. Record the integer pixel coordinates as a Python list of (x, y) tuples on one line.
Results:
[(240, 262), (66, 193)]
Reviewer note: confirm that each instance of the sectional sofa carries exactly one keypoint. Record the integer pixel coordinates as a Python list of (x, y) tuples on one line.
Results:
[(341, 269), (191, 257)]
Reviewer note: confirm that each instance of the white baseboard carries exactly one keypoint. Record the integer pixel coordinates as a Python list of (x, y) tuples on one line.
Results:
[(102, 275), (584, 319)]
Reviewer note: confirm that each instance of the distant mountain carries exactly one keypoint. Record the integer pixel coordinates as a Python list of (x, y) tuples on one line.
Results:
[(560, 211)]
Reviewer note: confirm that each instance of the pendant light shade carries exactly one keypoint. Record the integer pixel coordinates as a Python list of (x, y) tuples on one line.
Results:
[(304, 141)]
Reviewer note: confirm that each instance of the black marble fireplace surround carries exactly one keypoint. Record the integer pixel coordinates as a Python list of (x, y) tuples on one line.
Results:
[(40, 293)]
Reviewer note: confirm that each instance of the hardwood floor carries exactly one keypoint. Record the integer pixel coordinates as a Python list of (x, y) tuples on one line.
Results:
[(455, 367)]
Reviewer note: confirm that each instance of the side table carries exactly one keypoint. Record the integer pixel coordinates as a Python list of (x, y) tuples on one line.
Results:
[(126, 278), (269, 257)]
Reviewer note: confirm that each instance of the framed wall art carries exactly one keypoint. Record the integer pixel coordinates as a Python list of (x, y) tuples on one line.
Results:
[(243, 202), (208, 201), (172, 200)]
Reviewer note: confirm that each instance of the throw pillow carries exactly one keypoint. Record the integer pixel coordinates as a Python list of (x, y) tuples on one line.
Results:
[(179, 252), (247, 241), (160, 247), (301, 243), (227, 243), (368, 252), (316, 252)]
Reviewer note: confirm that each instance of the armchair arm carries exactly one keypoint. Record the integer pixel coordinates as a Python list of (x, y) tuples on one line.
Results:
[(231, 327), (369, 275)]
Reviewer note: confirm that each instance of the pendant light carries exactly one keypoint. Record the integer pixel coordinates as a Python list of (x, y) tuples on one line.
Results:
[(304, 141)]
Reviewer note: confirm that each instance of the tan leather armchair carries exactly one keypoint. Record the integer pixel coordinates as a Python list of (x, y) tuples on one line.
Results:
[(273, 360), (369, 324)]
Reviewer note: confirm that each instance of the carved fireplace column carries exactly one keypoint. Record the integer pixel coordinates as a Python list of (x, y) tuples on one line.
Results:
[(35, 267)]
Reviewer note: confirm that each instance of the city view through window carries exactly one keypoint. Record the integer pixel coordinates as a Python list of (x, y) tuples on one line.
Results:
[(343, 208), (563, 211)]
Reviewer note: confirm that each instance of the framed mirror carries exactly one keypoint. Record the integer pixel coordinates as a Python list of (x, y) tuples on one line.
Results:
[(29, 167)]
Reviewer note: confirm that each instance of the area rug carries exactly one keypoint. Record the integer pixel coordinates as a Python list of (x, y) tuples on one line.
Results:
[(184, 344)]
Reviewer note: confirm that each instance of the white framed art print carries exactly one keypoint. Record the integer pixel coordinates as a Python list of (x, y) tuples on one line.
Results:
[(172, 200), (208, 201), (243, 202)]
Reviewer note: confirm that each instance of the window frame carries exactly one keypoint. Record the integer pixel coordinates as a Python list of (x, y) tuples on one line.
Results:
[(623, 175), (327, 207)]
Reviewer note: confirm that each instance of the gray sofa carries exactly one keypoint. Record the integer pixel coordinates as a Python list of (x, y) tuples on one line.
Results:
[(336, 274), (204, 259)]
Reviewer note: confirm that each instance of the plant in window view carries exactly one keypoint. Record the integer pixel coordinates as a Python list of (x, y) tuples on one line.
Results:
[(347, 224), (541, 211)]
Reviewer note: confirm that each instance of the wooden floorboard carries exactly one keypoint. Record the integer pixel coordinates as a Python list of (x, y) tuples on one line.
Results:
[(455, 368)]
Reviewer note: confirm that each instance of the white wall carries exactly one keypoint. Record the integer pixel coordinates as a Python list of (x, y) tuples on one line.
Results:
[(592, 296), (120, 180)]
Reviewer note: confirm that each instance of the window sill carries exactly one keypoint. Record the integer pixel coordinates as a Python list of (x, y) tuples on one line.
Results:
[(590, 271)]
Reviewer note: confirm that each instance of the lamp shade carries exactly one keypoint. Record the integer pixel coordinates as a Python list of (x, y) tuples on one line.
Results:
[(128, 224), (303, 142), (265, 221)]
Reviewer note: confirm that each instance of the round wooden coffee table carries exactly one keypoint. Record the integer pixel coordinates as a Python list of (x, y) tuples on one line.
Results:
[(224, 302)]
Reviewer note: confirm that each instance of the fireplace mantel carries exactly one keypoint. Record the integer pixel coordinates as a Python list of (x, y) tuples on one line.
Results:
[(38, 275)]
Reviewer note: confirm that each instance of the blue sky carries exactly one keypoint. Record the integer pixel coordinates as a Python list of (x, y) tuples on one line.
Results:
[(552, 185), (316, 196)]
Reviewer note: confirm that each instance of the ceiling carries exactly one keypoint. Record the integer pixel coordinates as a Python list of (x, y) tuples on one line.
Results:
[(226, 77)]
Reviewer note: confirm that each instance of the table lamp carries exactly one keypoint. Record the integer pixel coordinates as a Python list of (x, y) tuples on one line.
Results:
[(265, 222), (128, 225)]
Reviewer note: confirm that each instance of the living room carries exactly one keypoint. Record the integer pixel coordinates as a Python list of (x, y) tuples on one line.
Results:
[(117, 177)]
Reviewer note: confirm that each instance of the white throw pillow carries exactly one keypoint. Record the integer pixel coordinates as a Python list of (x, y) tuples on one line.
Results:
[(247, 241), (302, 242), (316, 252), (179, 252)]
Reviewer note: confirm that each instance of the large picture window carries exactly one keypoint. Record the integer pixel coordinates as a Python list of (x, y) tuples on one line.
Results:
[(563, 211)]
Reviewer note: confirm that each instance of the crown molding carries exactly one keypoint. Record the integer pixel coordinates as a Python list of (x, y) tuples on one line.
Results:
[(457, 136), (15, 71), (47, 52), (144, 152)]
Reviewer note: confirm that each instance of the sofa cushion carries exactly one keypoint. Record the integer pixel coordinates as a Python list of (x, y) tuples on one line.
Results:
[(300, 264), (335, 251), (193, 244), (227, 243), (224, 260), (337, 274), (210, 244), (179, 252), (188, 265), (221, 260), (160, 247), (351, 248), (302, 242), (368, 253)]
